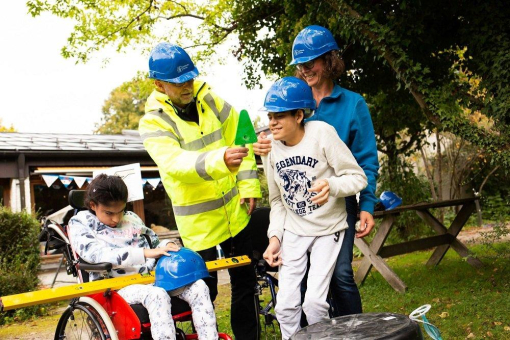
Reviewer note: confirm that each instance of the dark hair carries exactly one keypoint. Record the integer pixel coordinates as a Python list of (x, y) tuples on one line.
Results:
[(294, 113), (105, 189), (335, 66)]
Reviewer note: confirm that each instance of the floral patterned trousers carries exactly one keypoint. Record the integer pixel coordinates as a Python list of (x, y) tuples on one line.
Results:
[(157, 302)]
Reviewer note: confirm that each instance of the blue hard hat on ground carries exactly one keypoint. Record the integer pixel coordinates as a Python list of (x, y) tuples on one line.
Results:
[(180, 269), (390, 200), (290, 93), (171, 63), (312, 42)]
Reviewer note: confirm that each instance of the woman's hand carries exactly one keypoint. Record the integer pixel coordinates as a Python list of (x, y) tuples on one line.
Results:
[(273, 252), (156, 253), (366, 224), (263, 145), (322, 187)]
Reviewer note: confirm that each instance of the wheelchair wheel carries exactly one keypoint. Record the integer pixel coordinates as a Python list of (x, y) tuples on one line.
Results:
[(82, 321), (267, 324), (179, 334)]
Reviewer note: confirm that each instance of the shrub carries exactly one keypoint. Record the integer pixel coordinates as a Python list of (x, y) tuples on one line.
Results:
[(19, 257), (401, 179), (264, 201)]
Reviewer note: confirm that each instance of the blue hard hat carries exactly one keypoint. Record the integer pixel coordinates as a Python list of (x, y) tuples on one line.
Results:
[(171, 63), (289, 93), (181, 268), (390, 200), (312, 42)]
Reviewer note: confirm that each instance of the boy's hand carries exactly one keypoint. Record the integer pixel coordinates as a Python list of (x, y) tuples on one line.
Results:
[(322, 187), (273, 252), (156, 253), (263, 145)]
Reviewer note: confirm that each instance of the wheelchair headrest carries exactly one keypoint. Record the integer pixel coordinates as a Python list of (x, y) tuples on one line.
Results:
[(77, 199)]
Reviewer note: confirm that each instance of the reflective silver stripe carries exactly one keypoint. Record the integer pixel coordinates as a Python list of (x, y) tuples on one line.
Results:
[(210, 101), (206, 206), (144, 136), (223, 115), (200, 167), (160, 113), (247, 174), (204, 141), (225, 112)]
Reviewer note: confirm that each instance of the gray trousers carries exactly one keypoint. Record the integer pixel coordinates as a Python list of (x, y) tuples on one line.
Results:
[(323, 255)]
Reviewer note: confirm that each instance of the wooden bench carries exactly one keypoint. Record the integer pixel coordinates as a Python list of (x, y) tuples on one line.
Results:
[(375, 252)]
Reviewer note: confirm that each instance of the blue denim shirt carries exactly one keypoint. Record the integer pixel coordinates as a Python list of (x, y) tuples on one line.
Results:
[(348, 113)]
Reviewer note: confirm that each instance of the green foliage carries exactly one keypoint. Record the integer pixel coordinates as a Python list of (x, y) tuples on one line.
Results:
[(400, 178), (496, 212), (398, 123), (126, 105), (264, 201), (390, 46), (124, 24), (19, 258), (421, 63), (5, 128), (494, 207)]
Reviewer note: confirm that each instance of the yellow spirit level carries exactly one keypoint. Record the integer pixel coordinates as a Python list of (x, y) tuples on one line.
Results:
[(68, 292)]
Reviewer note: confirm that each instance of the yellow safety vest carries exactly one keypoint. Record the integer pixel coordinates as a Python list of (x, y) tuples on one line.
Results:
[(205, 195)]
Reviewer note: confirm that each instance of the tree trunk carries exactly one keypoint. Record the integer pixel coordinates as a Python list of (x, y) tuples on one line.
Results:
[(439, 161), (429, 174)]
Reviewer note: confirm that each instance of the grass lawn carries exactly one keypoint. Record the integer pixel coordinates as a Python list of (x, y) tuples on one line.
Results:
[(466, 303)]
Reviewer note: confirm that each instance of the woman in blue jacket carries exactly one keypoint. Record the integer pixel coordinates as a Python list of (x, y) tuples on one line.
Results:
[(316, 56)]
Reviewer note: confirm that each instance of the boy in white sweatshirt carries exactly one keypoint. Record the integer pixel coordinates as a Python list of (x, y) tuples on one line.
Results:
[(309, 172)]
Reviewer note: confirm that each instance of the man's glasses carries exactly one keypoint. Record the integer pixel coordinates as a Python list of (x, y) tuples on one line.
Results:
[(181, 84), (306, 66)]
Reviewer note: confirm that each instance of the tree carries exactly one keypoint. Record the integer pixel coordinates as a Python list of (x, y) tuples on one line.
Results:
[(394, 48), (392, 45), (125, 106), (5, 128)]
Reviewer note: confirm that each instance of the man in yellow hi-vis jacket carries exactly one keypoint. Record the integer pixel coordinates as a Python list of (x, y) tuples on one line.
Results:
[(189, 132)]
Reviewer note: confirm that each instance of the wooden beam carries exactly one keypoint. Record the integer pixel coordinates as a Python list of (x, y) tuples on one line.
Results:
[(457, 224), (138, 209), (425, 206), (82, 289), (380, 237), (421, 244), (381, 266)]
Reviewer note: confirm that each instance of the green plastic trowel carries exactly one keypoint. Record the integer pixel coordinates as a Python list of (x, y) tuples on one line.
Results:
[(245, 132)]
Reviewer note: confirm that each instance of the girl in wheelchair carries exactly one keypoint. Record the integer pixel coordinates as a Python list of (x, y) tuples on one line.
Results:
[(309, 172), (107, 233)]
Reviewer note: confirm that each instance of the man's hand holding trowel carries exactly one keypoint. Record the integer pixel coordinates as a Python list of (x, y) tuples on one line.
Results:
[(233, 157)]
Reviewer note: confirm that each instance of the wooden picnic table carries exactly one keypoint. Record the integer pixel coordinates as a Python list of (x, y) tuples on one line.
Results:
[(376, 251)]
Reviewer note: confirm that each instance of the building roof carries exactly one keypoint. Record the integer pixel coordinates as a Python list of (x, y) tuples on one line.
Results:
[(21, 141)]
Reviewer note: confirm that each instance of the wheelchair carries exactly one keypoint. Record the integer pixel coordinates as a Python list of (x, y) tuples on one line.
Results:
[(105, 315), (259, 223)]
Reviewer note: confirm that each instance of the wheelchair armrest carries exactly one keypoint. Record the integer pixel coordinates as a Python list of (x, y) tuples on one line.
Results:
[(94, 267)]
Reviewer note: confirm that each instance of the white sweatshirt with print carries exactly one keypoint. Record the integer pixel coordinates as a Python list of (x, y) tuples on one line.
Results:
[(292, 170), (123, 246)]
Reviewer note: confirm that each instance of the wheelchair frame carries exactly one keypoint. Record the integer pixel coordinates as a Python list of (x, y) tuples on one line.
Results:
[(105, 315), (259, 223)]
